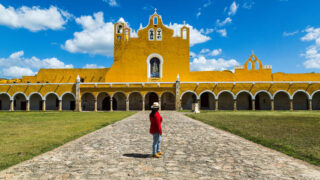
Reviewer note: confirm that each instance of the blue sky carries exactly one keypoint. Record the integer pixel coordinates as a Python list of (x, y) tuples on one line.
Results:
[(78, 33)]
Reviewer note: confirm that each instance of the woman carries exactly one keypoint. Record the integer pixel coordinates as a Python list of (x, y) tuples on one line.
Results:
[(155, 129)]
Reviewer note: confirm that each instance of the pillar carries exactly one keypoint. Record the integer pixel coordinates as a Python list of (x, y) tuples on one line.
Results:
[(44, 105), (291, 105), (253, 104), (234, 104), (28, 105), (159, 103), (143, 104), (95, 105), (60, 105), (178, 102), (217, 105), (272, 104), (127, 104), (310, 104), (11, 105), (78, 97), (111, 108)]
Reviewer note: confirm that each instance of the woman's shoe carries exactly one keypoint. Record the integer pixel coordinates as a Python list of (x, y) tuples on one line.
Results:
[(156, 156), (159, 153)]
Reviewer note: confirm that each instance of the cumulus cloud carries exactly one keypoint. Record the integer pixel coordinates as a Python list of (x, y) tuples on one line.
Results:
[(228, 20), (233, 8), (95, 38), (34, 19), (312, 54), (208, 52), (203, 64), (16, 65), (222, 32), (112, 3), (196, 36), (92, 66)]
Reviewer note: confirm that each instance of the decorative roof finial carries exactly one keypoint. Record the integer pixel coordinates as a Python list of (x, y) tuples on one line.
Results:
[(178, 78), (155, 10), (184, 22), (78, 78)]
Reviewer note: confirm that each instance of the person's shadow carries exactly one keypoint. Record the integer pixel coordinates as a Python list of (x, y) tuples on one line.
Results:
[(137, 155)]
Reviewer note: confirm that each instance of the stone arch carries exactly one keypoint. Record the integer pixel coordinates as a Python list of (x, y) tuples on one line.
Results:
[(135, 101), (149, 99), (281, 100), (87, 101), (225, 100), (168, 101), (68, 101), (103, 100), (45, 96), (244, 100), (316, 100), (300, 100), (119, 101), (4, 101), (36, 101), (263, 100), (52, 101), (207, 100), (187, 99), (20, 101)]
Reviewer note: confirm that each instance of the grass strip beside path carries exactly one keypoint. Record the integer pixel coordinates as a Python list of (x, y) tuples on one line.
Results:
[(294, 133), (24, 135)]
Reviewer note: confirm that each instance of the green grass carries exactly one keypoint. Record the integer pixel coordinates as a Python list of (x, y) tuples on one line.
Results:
[(294, 133), (24, 135)]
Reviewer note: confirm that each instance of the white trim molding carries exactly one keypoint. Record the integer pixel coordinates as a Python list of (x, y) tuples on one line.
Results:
[(154, 55), (188, 91)]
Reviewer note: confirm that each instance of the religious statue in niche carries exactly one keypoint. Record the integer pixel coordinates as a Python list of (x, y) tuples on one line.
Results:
[(155, 70)]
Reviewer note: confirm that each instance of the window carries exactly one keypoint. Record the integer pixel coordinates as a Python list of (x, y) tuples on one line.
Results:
[(155, 20), (82, 80), (119, 29), (151, 34), (184, 34), (155, 68), (159, 34)]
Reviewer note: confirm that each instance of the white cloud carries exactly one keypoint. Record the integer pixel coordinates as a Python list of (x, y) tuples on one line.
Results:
[(290, 33), (312, 54), (192, 54), (248, 4), (198, 14), (208, 52), (222, 32), (92, 66), (95, 38), (202, 64), (112, 3), (33, 19), (204, 51), (228, 20), (16, 65), (196, 36), (233, 8)]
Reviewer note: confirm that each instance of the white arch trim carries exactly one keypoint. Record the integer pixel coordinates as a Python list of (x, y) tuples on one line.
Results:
[(234, 97), (270, 95), (144, 97), (121, 92), (197, 97), (45, 97), (67, 93), (149, 65), (12, 98), (35, 93), (274, 95), (252, 97), (300, 90), (315, 92), (208, 91), (6, 94)]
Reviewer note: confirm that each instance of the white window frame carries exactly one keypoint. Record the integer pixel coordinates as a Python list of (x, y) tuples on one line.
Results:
[(149, 65), (160, 34), (154, 18), (118, 29), (151, 29)]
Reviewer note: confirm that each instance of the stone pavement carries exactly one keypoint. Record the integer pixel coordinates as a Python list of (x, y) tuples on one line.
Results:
[(192, 150)]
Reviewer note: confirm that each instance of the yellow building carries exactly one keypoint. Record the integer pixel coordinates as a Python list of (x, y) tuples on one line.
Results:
[(154, 66)]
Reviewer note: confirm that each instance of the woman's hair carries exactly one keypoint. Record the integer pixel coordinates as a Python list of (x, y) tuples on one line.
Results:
[(153, 112)]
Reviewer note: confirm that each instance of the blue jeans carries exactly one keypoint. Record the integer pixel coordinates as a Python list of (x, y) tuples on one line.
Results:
[(156, 143)]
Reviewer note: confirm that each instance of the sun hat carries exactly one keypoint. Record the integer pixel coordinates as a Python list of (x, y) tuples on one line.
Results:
[(155, 105)]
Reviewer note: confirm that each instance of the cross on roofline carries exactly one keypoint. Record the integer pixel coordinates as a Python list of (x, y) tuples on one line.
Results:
[(155, 10)]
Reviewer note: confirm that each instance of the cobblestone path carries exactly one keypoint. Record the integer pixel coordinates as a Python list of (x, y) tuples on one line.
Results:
[(192, 150)]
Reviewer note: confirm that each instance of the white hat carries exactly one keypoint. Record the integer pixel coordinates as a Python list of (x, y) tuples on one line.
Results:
[(155, 105)]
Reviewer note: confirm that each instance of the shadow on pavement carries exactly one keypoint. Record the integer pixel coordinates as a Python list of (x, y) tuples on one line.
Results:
[(137, 155)]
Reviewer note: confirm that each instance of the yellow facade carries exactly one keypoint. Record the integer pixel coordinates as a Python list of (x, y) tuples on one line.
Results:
[(154, 66)]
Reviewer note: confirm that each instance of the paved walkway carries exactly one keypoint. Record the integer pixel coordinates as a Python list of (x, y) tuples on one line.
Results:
[(192, 150)]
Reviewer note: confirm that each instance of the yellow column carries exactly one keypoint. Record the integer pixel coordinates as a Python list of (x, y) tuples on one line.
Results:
[(95, 105), (44, 105), (60, 105), (310, 104), (235, 105), (111, 109), (28, 105), (291, 105), (143, 104), (272, 105), (217, 105), (11, 105), (159, 104), (253, 104), (127, 104)]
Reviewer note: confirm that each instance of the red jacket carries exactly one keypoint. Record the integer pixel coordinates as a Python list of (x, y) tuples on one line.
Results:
[(155, 126)]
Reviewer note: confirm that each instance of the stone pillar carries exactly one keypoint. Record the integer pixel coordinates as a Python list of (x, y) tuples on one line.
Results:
[(253, 104), (217, 105), (95, 105), (159, 104), (272, 104), (60, 105), (310, 104), (143, 104), (11, 105), (178, 102), (127, 104), (28, 105), (44, 105), (111, 108), (291, 105), (234, 104), (78, 96)]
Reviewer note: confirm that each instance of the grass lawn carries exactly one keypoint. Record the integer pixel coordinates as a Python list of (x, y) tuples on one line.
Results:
[(24, 135), (294, 133)]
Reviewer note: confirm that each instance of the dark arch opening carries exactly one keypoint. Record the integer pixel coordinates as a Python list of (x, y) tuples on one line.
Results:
[(282, 101), (150, 98), (300, 101), (187, 100), (225, 101), (262, 101), (244, 101), (168, 101), (207, 101)]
